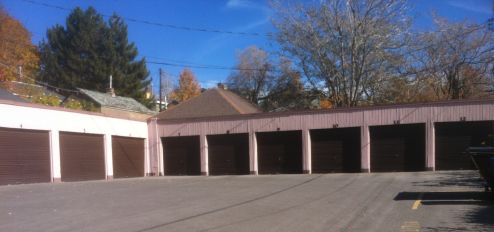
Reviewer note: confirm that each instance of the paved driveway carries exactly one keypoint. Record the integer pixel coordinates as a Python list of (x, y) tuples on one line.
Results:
[(333, 202)]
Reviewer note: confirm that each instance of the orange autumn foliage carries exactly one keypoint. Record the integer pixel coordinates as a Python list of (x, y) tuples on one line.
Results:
[(16, 50), (325, 104), (188, 87)]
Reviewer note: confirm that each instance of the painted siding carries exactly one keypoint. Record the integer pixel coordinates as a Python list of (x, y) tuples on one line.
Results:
[(57, 120), (327, 119), (477, 110)]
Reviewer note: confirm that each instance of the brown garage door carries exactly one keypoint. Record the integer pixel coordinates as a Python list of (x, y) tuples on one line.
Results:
[(128, 157), (335, 150), (279, 152), (228, 154), (453, 138), (24, 156), (182, 155), (82, 156), (397, 148)]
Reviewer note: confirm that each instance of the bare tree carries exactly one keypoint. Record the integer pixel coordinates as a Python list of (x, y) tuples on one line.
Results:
[(344, 47), (272, 84), (166, 86), (456, 60), (254, 76), (288, 92)]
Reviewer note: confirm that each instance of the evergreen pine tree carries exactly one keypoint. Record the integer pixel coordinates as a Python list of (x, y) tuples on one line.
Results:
[(85, 52)]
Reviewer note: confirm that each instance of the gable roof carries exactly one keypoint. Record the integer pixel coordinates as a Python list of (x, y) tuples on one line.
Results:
[(6, 95), (212, 102), (118, 102)]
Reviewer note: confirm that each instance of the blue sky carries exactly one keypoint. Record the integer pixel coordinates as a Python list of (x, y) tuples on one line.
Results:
[(178, 46)]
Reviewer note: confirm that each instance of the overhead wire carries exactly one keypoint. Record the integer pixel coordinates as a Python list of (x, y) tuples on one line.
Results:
[(40, 82), (158, 24), (177, 63)]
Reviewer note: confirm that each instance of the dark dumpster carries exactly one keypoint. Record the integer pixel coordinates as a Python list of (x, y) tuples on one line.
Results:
[(483, 158)]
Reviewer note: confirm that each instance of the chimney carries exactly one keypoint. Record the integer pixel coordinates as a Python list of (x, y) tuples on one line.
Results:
[(221, 86), (110, 90)]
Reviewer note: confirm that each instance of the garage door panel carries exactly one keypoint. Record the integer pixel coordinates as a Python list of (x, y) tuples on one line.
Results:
[(221, 160), (24, 156), (271, 159), (388, 155), (280, 152), (453, 138), (398, 148), (128, 157), (82, 156), (327, 156), (182, 155), (175, 162), (228, 154), (335, 150)]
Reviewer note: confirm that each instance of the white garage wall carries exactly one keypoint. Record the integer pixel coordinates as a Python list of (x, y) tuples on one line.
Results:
[(53, 119), (31, 117)]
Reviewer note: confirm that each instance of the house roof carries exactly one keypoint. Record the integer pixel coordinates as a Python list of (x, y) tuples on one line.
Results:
[(118, 102), (213, 102), (28, 90), (6, 95)]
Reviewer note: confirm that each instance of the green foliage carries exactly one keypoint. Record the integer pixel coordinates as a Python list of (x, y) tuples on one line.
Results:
[(73, 104), (85, 52), (46, 100), (89, 106)]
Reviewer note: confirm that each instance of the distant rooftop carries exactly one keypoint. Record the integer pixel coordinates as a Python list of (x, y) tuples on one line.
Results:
[(118, 102), (213, 102), (29, 90)]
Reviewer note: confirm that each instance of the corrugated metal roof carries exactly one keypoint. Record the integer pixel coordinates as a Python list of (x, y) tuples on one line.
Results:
[(211, 103), (124, 103), (6, 95)]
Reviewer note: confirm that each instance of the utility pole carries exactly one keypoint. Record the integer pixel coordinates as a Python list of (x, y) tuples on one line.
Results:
[(19, 71), (161, 91)]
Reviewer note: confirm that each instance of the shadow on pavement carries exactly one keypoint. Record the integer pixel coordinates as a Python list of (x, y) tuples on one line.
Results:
[(430, 197), (483, 215), (470, 178), (479, 216)]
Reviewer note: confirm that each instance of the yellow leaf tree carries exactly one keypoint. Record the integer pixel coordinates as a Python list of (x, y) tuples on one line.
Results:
[(16, 50), (188, 87)]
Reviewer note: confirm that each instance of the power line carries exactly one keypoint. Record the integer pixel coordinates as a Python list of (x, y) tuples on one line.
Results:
[(182, 64), (40, 82), (158, 24), (176, 63), (208, 66)]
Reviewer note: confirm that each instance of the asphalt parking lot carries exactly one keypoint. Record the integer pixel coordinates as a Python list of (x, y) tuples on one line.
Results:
[(426, 201)]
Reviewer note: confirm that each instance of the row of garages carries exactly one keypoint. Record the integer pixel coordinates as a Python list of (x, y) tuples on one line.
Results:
[(25, 156), (392, 148)]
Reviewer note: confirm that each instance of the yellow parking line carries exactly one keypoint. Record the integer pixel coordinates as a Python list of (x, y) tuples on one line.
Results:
[(417, 203), (410, 226)]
